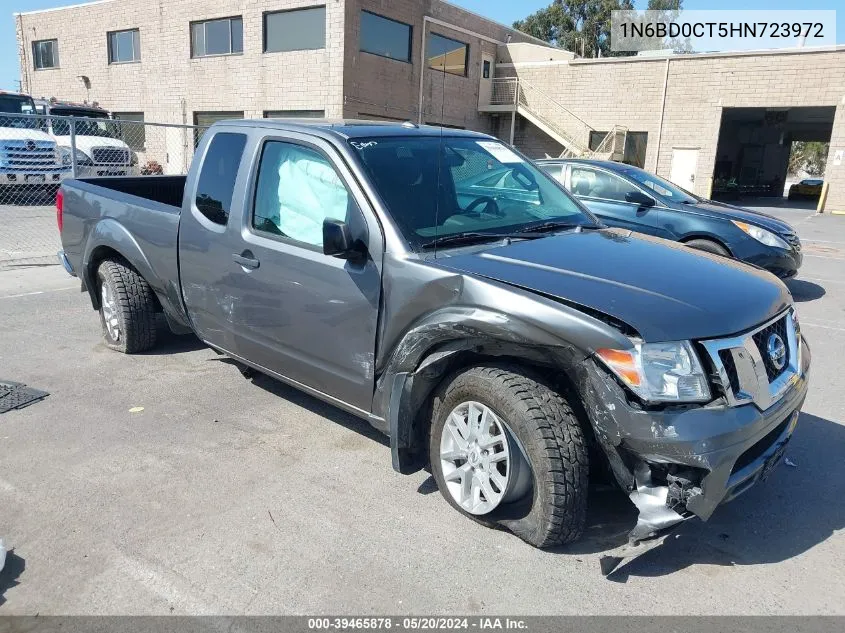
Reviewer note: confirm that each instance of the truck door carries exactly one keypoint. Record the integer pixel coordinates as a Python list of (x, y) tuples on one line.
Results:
[(307, 316)]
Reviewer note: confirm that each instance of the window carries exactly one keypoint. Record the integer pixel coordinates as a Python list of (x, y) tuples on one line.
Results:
[(635, 146), (447, 55), (435, 186), (217, 37), (217, 178), (132, 129), (294, 114), (297, 189), (593, 183), (295, 30), (205, 119), (659, 185), (45, 53), (385, 37), (124, 46), (485, 72)]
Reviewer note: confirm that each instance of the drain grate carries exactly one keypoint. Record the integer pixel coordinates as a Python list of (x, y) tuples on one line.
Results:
[(16, 395)]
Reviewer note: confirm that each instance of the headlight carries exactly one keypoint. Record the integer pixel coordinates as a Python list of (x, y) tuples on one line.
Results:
[(64, 154), (761, 235), (134, 160), (660, 372), (82, 158)]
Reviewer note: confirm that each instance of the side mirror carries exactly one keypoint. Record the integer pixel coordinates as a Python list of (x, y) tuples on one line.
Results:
[(337, 240), (639, 198)]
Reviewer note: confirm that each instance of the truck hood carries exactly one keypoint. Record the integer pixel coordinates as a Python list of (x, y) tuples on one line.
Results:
[(715, 209), (20, 134), (664, 290), (87, 143)]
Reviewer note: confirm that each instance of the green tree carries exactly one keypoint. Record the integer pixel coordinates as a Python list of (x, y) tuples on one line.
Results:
[(665, 5), (809, 157), (576, 25)]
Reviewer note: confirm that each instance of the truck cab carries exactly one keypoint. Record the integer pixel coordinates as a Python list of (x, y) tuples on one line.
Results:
[(100, 149), (29, 156)]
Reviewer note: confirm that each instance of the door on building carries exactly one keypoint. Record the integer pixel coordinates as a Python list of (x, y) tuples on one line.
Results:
[(485, 82), (684, 162)]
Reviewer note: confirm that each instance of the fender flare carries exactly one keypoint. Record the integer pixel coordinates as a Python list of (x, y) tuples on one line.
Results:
[(426, 351), (111, 235)]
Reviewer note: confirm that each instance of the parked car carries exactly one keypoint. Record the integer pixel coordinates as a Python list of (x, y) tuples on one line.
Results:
[(29, 158), (631, 198), (100, 148), (807, 188), (509, 341)]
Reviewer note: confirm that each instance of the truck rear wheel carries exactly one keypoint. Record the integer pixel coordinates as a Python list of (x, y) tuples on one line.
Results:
[(506, 450), (127, 308)]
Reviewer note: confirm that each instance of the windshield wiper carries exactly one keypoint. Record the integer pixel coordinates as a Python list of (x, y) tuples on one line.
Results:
[(474, 237), (547, 227)]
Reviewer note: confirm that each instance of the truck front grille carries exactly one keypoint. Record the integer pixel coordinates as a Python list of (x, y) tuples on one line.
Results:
[(748, 370), (28, 155), (761, 339), (110, 156)]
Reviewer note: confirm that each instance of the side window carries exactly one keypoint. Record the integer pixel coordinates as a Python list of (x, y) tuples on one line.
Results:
[(217, 178), (297, 189), (612, 187), (583, 181)]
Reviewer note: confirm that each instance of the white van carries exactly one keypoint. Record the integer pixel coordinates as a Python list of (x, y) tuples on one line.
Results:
[(100, 150)]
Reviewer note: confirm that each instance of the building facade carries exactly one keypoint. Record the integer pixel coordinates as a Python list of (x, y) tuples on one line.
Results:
[(701, 120)]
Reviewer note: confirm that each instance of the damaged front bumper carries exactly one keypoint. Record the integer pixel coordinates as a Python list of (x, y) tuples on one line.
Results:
[(681, 462)]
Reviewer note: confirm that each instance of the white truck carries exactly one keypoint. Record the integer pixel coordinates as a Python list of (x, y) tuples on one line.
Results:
[(100, 149), (29, 157)]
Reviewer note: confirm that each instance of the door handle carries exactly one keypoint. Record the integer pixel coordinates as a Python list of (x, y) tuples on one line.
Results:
[(246, 259)]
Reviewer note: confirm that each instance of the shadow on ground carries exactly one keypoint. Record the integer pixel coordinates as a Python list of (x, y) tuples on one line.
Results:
[(803, 290), (12, 571), (795, 510)]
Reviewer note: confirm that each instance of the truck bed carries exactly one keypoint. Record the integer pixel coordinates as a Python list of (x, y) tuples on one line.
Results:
[(165, 189), (137, 217)]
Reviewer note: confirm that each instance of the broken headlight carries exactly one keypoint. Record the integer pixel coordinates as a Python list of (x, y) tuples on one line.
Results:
[(660, 372)]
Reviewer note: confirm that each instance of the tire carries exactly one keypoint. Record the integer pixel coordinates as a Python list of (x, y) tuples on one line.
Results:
[(544, 436), (709, 246), (128, 304)]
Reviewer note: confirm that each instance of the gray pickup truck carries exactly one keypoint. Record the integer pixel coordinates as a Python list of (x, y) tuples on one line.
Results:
[(442, 287)]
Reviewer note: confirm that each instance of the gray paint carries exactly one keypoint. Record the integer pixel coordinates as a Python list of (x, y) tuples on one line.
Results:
[(374, 337)]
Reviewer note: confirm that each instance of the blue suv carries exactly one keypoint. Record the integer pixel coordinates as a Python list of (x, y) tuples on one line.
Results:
[(632, 198)]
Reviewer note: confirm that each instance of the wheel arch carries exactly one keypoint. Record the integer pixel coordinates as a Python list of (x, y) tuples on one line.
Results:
[(708, 237)]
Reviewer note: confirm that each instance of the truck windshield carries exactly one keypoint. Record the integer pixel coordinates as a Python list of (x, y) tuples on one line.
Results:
[(87, 124), (436, 187), (11, 109)]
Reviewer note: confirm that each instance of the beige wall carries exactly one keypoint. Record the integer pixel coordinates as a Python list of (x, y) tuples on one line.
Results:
[(629, 92)]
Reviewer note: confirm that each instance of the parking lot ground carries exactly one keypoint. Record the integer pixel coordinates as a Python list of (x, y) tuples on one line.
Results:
[(225, 495)]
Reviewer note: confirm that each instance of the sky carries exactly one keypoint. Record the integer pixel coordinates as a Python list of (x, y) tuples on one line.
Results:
[(504, 11)]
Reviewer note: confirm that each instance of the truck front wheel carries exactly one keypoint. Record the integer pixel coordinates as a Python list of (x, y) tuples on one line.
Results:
[(127, 308), (507, 450)]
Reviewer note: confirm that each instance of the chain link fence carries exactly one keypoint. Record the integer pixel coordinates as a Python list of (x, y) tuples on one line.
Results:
[(39, 152)]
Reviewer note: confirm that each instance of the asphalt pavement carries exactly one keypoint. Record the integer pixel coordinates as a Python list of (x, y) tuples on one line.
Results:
[(167, 483)]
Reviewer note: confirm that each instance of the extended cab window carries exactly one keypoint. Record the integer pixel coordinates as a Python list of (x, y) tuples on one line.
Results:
[(297, 189), (217, 178)]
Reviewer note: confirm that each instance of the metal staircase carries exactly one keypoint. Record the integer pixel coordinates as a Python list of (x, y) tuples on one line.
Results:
[(512, 94)]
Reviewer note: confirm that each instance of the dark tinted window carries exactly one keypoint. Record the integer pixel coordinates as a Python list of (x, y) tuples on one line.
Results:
[(45, 54), (385, 37), (297, 30), (217, 178), (217, 37), (447, 55)]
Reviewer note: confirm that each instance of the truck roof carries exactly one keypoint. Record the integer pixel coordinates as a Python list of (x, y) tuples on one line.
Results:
[(352, 128)]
